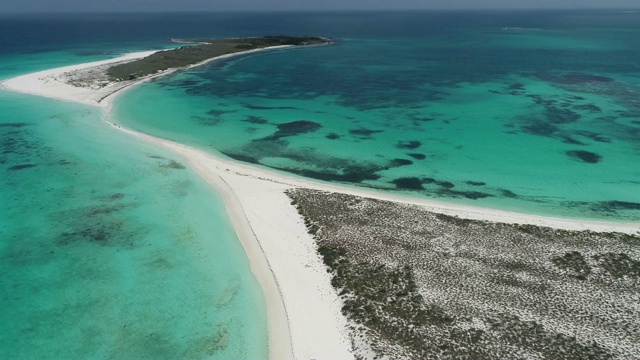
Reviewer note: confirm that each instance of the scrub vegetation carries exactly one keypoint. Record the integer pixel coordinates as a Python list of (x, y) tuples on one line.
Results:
[(206, 49), (420, 285)]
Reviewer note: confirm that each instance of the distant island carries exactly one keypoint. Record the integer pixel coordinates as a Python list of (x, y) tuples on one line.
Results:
[(206, 49), (515, 28), (97, 82)]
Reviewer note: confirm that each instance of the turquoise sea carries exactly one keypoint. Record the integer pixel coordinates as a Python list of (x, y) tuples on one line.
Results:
[(110, 248), (535, 112)]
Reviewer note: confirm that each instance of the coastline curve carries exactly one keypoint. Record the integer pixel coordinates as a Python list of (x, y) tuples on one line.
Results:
[(224, 175)]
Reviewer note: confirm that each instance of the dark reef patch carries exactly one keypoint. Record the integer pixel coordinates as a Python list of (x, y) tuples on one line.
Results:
[(473, 195), (616, 205), (206, 121), (476, 183), (508, 193), (588, 107), (400, 162), (628, 113), (20, 167), (416, 183), (102, 233), (410, 183), (98, 234), (593, 136), (573, 79), (104, 210), (418, 156), (539, 128), (183, 83), (218, 112), (255, 120), (14, 125), (103, 224), (327, 168), (445, 184), (172, 164), (539, 100), (584, 156), (579, 78), (116, 196), (571, 141), (408, 144), (240, 157), (552, 123), (364, 133), (421, 119), (293, 128), (556, 115), (516, 89), (332, 136), (256, 107)]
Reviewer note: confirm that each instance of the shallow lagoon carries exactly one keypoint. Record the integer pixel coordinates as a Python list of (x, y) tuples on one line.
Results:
[(111, 248), (540, 120)]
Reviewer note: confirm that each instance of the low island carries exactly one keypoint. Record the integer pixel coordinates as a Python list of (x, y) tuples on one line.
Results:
[(185, 56)]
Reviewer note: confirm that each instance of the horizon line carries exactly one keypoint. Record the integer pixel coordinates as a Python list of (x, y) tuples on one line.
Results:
[(182, 11)]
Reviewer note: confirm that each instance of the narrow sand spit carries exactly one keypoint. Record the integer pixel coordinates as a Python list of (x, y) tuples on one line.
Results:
[(50, 83), (304, 316), (304, 312)]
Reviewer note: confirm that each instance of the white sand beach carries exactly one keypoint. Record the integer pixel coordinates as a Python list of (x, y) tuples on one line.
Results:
[(304, 312), (51, 83)]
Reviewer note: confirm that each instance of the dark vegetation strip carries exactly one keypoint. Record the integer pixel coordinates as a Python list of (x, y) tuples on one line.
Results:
[(190, 55)]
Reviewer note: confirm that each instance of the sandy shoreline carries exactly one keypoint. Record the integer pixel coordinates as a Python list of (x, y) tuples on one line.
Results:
[(44, 83), (304, 314), (282, 256)]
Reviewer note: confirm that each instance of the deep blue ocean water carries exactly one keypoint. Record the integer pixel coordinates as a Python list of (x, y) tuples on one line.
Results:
[(110, 249)]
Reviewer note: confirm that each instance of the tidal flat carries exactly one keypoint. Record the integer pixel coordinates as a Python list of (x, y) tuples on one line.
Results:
[(417, 284)]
